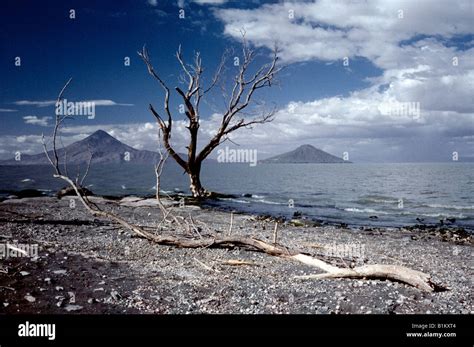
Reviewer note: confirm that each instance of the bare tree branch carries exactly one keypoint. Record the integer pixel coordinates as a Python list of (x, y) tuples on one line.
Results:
[(240, 99), (158, 171), (58, 120), (91, 155)]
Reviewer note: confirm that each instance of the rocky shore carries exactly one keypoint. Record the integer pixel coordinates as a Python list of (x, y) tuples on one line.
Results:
[(89, 265)]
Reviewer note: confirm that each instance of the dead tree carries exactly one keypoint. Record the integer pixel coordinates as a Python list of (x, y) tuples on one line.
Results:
[(240, 99)]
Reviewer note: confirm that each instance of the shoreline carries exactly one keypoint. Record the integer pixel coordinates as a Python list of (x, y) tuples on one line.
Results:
[(298, 217), (109, 270)]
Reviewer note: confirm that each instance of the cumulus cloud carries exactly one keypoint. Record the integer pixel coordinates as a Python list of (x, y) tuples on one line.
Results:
[(27, 144), (411, 42), (35, 120), (294, 125), (330, 30)]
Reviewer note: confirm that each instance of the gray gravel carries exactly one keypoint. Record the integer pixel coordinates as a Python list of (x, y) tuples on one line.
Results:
[(108, 270)]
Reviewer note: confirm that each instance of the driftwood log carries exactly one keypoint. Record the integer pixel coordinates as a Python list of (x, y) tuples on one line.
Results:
[(396, 273)]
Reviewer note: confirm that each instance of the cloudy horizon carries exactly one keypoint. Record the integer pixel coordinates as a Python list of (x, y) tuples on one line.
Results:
[(385, 81)]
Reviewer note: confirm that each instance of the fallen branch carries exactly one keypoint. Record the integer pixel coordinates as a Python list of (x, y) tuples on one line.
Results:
[(397, 273)]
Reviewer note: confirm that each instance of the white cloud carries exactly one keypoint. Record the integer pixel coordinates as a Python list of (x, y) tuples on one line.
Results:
[(419, 65), (26, 144), (44, 103), (331, 30), (210, 2), (152, 2), (34, 120), (107, 103), (7, 110), (321, 123), (416, 61)]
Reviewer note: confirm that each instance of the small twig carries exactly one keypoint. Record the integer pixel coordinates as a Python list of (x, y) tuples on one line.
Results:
[(163, 220), (205, 265), (237, 262), (9, 288), (194, 226), (275, 233), (231, 222)]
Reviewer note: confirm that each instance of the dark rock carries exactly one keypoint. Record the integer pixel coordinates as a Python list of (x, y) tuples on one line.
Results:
[(69, 191), (114, 197), (29, 193), (297, 214)]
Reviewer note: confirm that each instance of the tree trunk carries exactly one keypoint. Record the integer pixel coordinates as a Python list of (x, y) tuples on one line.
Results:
[(195, 182)]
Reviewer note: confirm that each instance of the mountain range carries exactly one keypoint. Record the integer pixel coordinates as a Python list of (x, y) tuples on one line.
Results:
[(107, 149)]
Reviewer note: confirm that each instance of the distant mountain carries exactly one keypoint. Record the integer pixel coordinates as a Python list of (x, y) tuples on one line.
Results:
[(304, 154), (106, 149)]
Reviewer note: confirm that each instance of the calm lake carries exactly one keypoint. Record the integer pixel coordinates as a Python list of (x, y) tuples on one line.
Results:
[(356, 194)]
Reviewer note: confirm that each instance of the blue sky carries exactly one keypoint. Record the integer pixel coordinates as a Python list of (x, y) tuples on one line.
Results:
[(321, 101)]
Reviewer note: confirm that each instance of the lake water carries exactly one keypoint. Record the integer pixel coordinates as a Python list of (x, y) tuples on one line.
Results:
[(396, 194)]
